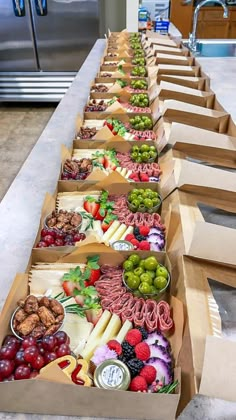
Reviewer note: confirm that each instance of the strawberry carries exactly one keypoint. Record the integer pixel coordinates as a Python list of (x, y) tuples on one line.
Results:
[(110, 163), (144, 177), (91, 205), (109, 219), (93, 315), (93, 270), (68, 287), (79, 298), (100, 214)]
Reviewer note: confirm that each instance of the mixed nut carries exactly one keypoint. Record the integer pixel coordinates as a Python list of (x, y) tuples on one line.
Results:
[(77, 169), (64, 221), (86, 133), (37, 317)]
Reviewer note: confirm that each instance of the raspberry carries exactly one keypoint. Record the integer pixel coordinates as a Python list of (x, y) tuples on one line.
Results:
[(144, 230), (134, 337), (135, 243), (149, 373), (144, 245), (133, 176), (142, 351), (144, 177), (129, 237), (115, 345), (138, 384)]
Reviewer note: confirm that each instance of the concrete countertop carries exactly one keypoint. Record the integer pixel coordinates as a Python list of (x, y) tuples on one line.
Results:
[(20, 208)]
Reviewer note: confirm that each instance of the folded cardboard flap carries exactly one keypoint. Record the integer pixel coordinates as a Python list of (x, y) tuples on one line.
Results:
[(169, 50), (212, 242), (178, 70), (188, 81), (173, 59), (219, 369), (185, 94), (181, 112), (215, 148)]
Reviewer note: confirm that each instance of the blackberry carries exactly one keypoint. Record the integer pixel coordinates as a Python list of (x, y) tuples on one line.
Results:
[(136, 231), (140, 238), (127, 351), (134, 365), (143, 332), (122, 358)]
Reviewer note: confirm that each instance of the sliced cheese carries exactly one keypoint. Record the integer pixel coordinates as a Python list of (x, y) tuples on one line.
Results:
[(128, 231), (78, 329), (118, 169), (87, 352), (128, 174), (123, 171), (110, 231), (100, 327), (118, 233), (112, 329), (123, 331)]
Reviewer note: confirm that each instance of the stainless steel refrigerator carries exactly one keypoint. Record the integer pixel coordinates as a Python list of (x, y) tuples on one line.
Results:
[(43, 43)]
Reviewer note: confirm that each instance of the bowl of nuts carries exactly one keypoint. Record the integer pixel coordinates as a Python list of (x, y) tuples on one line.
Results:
[(64, 221), (77, 170), (37, 317)]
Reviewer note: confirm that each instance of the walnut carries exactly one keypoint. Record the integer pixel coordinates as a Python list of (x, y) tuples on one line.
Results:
[(44, 301), (63, 218), (31, 305), (51, 330), (38, 331), (67, 228), (59, 319), (21, 303), (59, 225), (56, 307), (46, 316), (27, 326), (76, 220), (51, 222), (20, 315)]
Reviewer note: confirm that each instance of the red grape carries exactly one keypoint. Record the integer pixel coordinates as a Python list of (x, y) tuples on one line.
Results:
[(60, 235), (49, 342), (41, 350), (79, 237), (8, 352), (33, 374), (69, 238), (49, 357), (41, 244), (29, 341), (9, 378), (22, 372), (49, 239), (30, 354), (6, 368), (9, 339), (59, 242), (38, 363), (44, 232), (63, 350), (62, 338), (19, 358)]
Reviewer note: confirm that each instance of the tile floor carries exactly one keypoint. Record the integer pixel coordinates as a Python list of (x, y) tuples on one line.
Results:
[(20, 128)]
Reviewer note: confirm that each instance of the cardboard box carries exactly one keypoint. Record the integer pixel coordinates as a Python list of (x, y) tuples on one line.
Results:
[(181, 60), (185, 94), (78, 398), (202, 224), (201, 83), (204, 145), (217, 119)]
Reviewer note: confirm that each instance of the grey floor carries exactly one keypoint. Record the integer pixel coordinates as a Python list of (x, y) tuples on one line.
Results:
[(20, 128)]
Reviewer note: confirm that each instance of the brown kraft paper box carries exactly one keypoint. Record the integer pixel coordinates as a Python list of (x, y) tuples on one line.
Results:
[(61, 398)]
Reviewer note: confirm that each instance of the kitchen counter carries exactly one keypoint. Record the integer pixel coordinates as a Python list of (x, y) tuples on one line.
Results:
[(20, 208)]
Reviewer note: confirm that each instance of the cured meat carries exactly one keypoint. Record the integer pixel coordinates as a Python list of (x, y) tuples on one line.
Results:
[(115, 297)]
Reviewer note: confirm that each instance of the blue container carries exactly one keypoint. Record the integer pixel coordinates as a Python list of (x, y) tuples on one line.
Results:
[(161, 26)]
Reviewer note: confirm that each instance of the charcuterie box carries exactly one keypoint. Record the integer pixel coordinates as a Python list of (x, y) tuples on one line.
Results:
[(96, 128), (121, 156), (107, 212), (202, 224), (169, 90), (207, 290), (202, 145), (201, 83), (52, 392)]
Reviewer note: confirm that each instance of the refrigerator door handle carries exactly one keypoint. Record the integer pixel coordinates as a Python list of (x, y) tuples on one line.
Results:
[(41, 7), (19, 7)]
